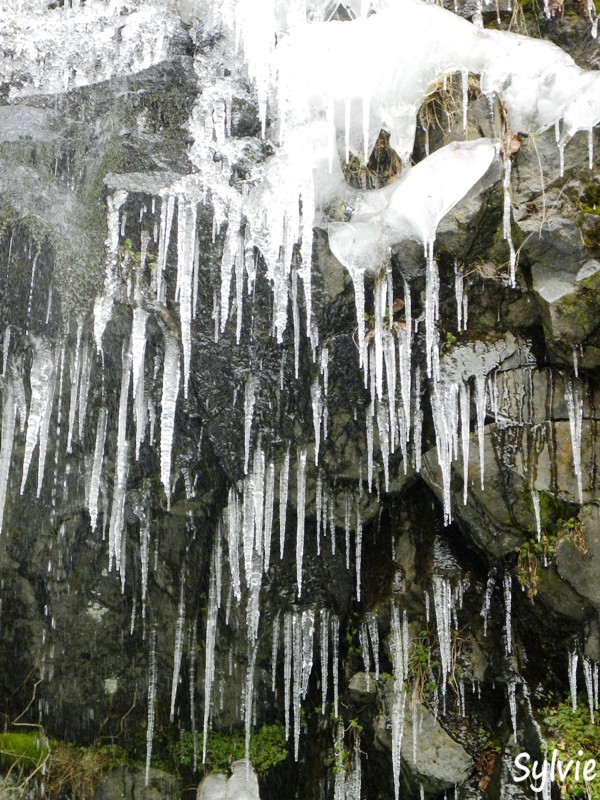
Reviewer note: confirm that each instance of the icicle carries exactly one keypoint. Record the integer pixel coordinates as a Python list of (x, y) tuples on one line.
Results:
[(335, 638), (170, 391), (418, 421), (288, 644), (575, 411), (383, 428), (459, 293), (297, 677), (379, 303), (374, 636), (274, 650), (589, 685), (370, 445), (296, 322), (248, 527), (97, 467), (480, 407), (324, 368), (103, 304), (268, 524), (5, 349), (152, 680), (512, 702), (9, 412), (317, 410), (347, 510), (166, 220), (75, 372), (300, 511), (561, 158), (465, 433), (324, 629), (144, 554), (445, 412), (506, 219), (414, 705), (249, 696), (233, 540), (487, 599), (398, 696), (186, 240), (84, 388), (284, 476), (535, 499), (209, 664), (258, 499), (193, 655), (319, 508), (358, 541), (249, 402), (508, 612), (138, 349), (358, 281), (363, 637), (178, 645), (442, 599), (41, 378), (432, 286), (117, 517), (573, 661)]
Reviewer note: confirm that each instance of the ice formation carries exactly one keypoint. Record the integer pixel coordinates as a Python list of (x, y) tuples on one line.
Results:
[(324, 90)]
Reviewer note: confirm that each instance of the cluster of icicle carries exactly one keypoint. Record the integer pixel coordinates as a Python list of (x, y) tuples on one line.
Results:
[(323, 82)]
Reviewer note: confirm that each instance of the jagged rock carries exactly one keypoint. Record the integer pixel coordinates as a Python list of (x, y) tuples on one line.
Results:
[(581, 569), (571, 309), (362, 685), (125, 783), (440, 763)]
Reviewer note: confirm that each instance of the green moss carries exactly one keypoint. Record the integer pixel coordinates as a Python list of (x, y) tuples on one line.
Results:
[(553, 510), (23, 750)]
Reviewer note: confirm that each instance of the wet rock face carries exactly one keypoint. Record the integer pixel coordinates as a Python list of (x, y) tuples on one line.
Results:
[(356, 539)]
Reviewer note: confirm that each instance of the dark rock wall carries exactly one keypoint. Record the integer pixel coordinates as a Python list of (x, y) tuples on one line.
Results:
[(75, 635)]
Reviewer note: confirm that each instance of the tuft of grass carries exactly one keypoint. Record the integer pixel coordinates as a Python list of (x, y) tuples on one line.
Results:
[(69, 771)]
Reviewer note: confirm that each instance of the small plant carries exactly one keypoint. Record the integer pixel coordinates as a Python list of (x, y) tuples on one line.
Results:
[(421, 666), (76, 771), (342, 754), (528, 561), (68, 770), (575, 736), (268, 748), (556, 527)]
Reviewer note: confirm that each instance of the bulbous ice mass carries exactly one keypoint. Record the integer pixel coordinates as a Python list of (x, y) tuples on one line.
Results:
[(413, 207)]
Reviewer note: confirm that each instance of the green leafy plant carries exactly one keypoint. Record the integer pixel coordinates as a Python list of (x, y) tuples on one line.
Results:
[(268, 747), (558, 524), (571, 733)]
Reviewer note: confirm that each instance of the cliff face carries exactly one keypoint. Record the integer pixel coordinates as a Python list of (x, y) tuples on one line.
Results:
[(300, 385)]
